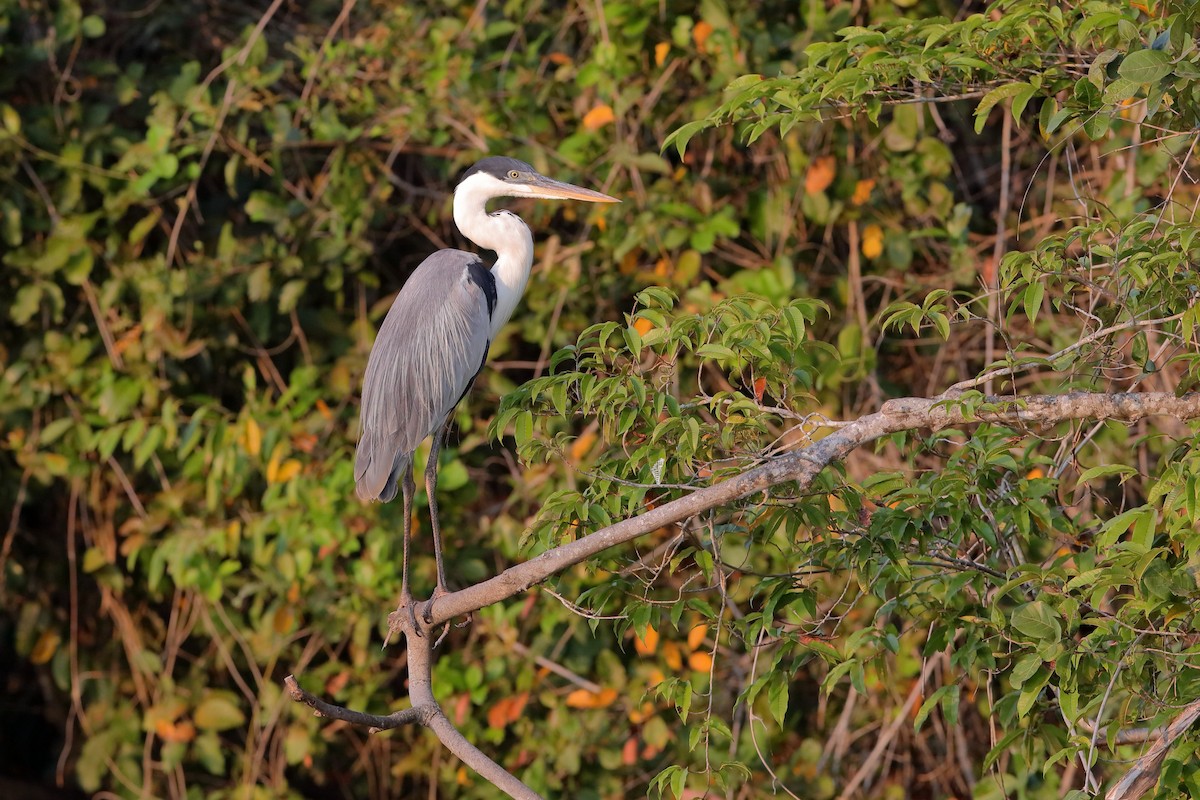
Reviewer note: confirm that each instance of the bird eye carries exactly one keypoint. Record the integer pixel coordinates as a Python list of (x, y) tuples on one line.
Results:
[(512, 173)]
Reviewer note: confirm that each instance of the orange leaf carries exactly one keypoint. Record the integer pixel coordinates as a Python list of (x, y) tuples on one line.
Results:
[(672, 657), (629, 751), (872, 241), (497, 715), (760, 386), (584, 698), (700, 34), (701, 662), (282, 619), (337, 682), (642, 326), (862, 191), (988, 272), (660, 53), (598, 117), (561, 59), (820, 174), (518, 706), (647, 645), (639, 715), (170, 731), (696, 636), (1034, 474), (583, 445), (461, 706), (304, 442)]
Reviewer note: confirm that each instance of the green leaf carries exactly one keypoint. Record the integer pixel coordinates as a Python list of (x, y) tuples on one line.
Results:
[(1038, 621), (997, 95), (92, 26), (218, 712), (1033, 299), (1145, 66), (1105, 470), (777, 696)]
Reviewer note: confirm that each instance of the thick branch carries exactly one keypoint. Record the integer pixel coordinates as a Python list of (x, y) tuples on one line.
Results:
[(802, 467)]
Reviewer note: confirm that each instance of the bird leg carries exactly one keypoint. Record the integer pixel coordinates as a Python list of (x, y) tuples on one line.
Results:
[(431, 471), (409, 487)]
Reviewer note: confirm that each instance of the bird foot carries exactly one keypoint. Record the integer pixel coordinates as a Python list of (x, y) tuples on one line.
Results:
[(427, 607), (396, 621)]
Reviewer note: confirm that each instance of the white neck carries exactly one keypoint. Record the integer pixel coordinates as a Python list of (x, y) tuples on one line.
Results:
[(503, 233)]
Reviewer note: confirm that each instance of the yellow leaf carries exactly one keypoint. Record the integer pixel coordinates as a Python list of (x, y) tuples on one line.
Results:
[(287, 470), (862, 191), (820, 174), (660, 53), (273, 466), (648, 644), (253, 437), (696, 636), (56, 463), (46, 647), (700, 34), (598, 117), (701, 662), (872, 241)]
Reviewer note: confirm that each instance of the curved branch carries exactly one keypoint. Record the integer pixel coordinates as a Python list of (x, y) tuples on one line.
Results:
[(417, 714), (424, 710), (1144, 773), (802, 467)]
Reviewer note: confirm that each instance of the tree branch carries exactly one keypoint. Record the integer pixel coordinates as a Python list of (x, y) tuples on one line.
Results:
[(424, 710), (802, 467), (1143, 775)]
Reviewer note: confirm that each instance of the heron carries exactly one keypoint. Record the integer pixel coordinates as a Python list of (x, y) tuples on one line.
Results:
[(435, 338)]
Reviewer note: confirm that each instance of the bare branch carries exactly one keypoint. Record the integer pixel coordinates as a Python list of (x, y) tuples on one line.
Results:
[(417, 714), (802, 467)]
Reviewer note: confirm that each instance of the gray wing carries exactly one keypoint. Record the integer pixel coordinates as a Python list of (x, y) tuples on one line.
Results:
[(430, 347)]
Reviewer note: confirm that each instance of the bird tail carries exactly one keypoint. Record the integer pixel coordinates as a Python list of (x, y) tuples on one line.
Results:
[(376, 470)]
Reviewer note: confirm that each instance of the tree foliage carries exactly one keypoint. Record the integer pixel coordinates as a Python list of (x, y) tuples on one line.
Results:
[(206, 209)]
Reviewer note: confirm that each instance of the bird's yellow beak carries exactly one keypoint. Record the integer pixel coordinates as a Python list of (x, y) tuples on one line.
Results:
[(550, 189)]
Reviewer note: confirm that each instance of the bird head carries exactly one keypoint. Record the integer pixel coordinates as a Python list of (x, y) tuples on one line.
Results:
[(499, 176)]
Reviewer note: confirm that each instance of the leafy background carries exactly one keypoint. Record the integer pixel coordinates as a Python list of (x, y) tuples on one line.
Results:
[(206, 209)]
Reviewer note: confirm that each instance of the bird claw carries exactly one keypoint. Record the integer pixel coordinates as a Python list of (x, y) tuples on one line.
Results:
[(396, 622), (427, 606)]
